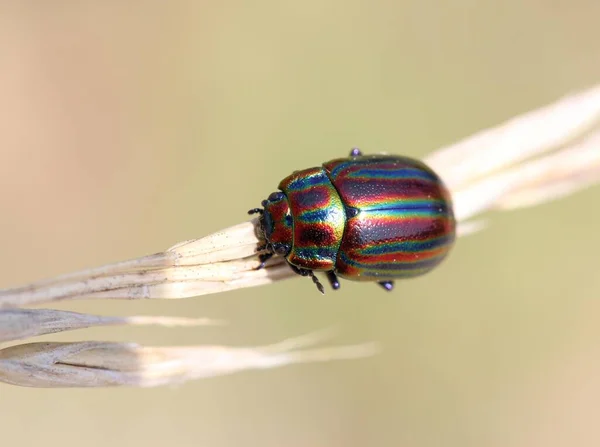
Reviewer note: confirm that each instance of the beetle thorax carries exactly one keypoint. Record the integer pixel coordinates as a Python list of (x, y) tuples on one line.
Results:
[(277, 224)]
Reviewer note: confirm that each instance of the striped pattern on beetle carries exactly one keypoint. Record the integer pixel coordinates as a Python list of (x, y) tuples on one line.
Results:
[(364, 218)]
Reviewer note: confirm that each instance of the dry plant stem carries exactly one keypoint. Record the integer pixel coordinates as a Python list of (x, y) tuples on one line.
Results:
[(518, 139), (537, 181), (101, 364), (567, 172), (19, 324), (492, 170)]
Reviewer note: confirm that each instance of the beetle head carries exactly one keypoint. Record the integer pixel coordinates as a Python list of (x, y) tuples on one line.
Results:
[(276, 223)]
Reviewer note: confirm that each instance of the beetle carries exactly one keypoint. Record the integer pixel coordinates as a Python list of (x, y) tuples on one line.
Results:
[(363, 218)]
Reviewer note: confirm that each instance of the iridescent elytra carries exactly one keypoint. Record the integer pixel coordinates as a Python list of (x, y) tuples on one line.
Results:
[(363, 218)]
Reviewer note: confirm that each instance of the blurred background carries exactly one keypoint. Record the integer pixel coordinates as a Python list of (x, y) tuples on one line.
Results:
[(126, 127)]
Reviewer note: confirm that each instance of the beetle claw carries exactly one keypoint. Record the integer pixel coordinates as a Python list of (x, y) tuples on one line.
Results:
[(333, 280), (263, 260), (387, 285)]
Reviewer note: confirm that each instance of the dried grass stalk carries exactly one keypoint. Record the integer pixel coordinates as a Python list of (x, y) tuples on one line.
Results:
[(518, 139), (101, 364), (19, 324), (539, 156)]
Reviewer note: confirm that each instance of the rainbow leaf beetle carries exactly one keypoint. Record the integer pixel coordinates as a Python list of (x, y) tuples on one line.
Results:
[(363, 218)]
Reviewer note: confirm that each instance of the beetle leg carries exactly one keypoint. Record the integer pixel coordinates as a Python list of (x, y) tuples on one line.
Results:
[(304, 272), (261, 247), (355, 152), (263, 260), (316, 281), (333, 280), (256, 211), (298, 271), (387, 285)]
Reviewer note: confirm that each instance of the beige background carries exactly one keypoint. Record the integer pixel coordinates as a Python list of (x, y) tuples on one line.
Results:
[(128, 126)]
